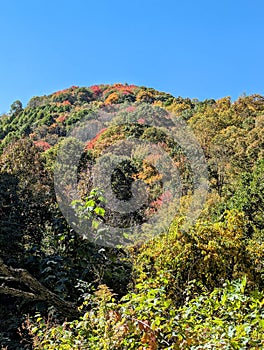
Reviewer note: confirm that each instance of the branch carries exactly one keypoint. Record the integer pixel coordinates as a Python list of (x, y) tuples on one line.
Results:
[(4, 269), (17, 293), (38, 291), (8, 279)]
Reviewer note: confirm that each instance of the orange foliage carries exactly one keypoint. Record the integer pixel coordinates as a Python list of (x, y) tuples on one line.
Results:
[(66, 103), (112, 98), (61, 119)]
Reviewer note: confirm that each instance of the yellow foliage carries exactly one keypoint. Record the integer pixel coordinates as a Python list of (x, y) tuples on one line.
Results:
[(112, 98), (178, 107), (209, 253), (145, 96)]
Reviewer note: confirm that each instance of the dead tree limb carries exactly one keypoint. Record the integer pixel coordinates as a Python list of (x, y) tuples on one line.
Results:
[(37, 291)]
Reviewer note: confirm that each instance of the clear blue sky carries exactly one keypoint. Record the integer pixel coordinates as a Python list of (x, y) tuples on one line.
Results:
[(198, 49)]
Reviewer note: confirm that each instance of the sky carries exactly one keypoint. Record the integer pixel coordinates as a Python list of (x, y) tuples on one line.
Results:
[(198, 49)]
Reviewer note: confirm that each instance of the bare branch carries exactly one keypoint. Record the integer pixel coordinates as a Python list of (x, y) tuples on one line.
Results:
[(4, 269), (38, 291), (17, 293), (8, 279)]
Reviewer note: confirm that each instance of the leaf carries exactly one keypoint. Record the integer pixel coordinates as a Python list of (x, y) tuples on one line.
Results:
[(99, 211), (95, 224), (90, 204)]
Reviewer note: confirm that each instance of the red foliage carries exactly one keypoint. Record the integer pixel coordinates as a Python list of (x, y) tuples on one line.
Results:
[(164, 198), (42, 144), (130, 108), (65, 90), (90, 144), (141, 121), (96, 90)]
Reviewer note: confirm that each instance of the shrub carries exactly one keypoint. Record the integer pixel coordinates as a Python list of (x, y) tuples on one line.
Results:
[(226, 318)]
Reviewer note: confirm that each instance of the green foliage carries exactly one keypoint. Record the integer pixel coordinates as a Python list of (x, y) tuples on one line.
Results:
[(16, 108), (22, 162), (249, 197), (90, 208), (228, 317), (11, 222)]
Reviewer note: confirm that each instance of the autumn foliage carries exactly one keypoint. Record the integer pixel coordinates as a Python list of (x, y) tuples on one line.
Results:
[(200, 288)]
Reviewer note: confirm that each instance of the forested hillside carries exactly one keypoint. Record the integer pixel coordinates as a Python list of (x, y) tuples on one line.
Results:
[(78, 273)]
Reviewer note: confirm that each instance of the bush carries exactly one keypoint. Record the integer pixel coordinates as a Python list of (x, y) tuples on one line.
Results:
[(226, 318), (209, 253)]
